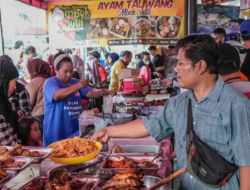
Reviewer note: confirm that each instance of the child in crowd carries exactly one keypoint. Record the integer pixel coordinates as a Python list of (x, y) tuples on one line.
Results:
[(32, 134)]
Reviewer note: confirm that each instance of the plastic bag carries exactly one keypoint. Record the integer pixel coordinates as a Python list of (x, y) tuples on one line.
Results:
[(108, 104)]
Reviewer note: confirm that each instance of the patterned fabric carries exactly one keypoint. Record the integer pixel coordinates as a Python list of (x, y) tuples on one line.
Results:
[(222, 120), (7, 135), (138, 82), (20, 102)]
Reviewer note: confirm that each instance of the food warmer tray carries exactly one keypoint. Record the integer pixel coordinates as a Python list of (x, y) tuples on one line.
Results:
[(148, 181), (26, 160), (146, 171), (10, 174), (91, 167), (44, 179), (137, 150), (44, 151)]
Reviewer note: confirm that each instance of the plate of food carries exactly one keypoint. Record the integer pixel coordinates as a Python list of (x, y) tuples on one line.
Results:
[(15, 164), (120, 27), (168, 26), (38, 154), (74, 151), (142, 27)]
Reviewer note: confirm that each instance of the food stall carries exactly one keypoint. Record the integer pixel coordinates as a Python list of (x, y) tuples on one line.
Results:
[(139, 163)]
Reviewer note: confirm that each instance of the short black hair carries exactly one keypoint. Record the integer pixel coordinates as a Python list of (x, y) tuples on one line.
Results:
[(144, 53), (18, 44), (96, 54), (65, 59), (152, 48), (126, 53), (76, 75), (67, 50), (229, 59), (30, 49), (245, 38), (26, 123), (201, 47), (220, 31)]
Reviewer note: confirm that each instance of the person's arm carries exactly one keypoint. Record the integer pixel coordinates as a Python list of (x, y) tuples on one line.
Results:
[(240, 141), (124, 131), (97, 93), (159, 63), (24, 104), (158, 125), (66, 92), (244, 178)]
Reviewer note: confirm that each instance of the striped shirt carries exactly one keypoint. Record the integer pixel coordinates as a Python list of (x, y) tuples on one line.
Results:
[(221, 119)]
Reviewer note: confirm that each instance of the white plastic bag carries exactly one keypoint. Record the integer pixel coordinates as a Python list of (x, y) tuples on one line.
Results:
[(108, 104)]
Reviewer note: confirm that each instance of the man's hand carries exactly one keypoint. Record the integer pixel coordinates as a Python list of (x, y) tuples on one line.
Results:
[(101, 136), (105, 92), (83, 83)]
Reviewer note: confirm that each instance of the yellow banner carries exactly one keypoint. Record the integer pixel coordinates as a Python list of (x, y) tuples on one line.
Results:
[(110, 23)]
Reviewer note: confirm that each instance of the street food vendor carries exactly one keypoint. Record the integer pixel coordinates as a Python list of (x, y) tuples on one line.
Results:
[(62, 100), (221, 116)]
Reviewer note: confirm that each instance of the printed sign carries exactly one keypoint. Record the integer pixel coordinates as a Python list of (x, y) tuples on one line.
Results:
[(111, 23)]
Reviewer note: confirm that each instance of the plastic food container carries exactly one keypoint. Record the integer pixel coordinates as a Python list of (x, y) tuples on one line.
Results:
[(137, 149)]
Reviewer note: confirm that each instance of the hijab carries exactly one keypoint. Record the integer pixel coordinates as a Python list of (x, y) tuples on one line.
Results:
[(114, 57), (93, 71), (78, 65), (38, 68), (52, 67), (8, 72)]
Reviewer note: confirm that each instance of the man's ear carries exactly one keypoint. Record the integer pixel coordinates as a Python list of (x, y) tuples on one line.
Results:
[(201, 67)]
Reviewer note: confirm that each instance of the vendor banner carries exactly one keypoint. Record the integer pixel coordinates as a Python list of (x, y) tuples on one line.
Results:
[(112, 23)]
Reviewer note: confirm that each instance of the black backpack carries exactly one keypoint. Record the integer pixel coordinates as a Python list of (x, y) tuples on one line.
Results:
[(203, 162)]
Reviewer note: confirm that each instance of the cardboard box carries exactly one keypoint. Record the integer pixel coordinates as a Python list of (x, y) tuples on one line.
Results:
[(126, 73)]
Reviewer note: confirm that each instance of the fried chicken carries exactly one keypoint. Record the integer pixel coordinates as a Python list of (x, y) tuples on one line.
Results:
[(128, 176), (13, 164), (16, 150), (3, 173), (3, 150), (19, 151), (121, 183), (119, 150)]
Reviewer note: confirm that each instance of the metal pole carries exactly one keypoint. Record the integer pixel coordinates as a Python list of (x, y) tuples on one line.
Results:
[(1, 29)]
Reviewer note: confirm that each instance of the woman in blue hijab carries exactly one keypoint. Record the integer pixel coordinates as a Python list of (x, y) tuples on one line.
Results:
[(112, 58)]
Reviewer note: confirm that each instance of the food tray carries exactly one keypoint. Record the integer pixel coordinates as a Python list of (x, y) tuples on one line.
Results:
[(137, 150), (10, 173), (45, 151), (26, 160), (44, 179), (84, 167), (148, 182), (147, 171)]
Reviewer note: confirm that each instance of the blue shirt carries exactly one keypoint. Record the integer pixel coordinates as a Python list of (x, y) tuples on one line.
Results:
[(222, 120), (59, 116)]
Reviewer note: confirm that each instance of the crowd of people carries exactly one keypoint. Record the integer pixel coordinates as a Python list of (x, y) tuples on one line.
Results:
[(210, 72)]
